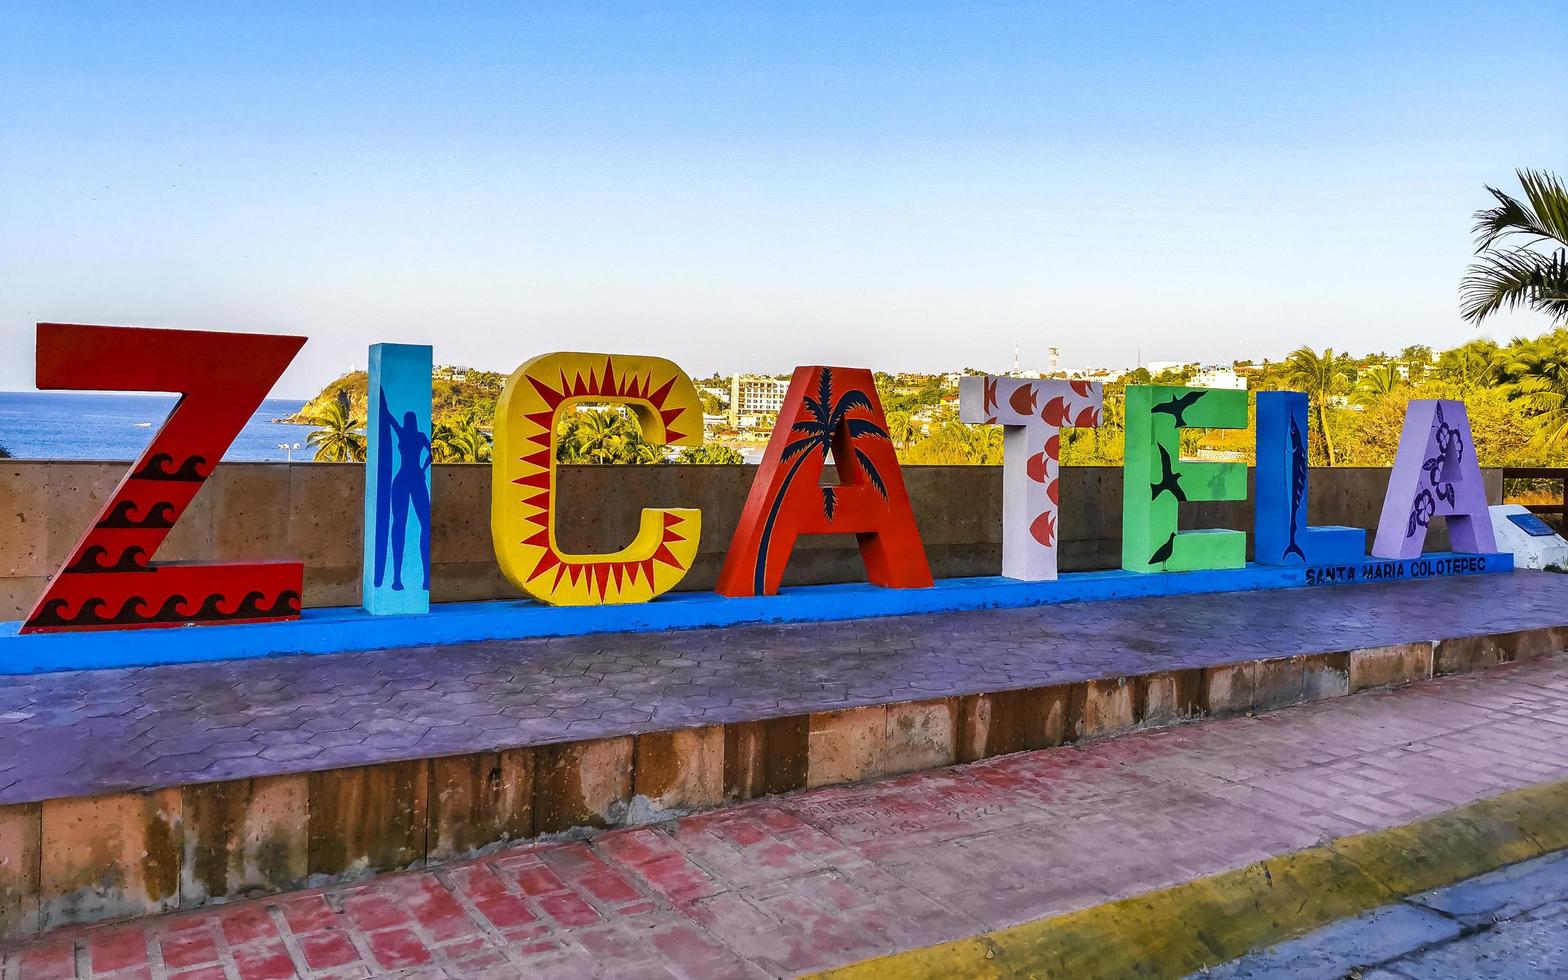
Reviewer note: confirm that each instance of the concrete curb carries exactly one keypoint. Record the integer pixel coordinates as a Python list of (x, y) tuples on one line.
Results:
[(1175, 931)]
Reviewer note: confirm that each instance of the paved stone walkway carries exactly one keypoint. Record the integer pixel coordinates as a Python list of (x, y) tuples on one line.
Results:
[(1511, 924), (825, 877), (73, 734)]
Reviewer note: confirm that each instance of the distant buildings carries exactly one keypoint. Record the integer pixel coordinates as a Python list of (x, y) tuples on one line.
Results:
[(753, 397), (750, 404), (1101, 374), (1194, 374), (1219, 377)]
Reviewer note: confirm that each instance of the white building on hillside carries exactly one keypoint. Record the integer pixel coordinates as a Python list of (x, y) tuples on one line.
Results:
[(755, 396), (1219, 377)]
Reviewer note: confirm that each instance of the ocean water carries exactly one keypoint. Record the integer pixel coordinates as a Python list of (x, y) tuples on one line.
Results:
[(79, 425)]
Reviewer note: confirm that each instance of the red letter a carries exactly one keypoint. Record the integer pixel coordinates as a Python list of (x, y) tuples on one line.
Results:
[(827, 410)]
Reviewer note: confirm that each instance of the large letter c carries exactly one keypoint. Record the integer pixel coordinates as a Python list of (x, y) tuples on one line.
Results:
[(522, 508)]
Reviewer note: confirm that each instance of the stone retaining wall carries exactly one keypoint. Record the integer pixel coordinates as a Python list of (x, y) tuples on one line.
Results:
[(312, 512), (86, 859)]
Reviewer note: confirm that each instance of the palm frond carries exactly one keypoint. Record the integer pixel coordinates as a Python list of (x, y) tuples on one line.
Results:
[(853, 398), (1551, 431), (829, 500), (859, 428), (824, 394), (818, 410), (1376, 382), (871, 472), (1510, 217), (1549, 199), (801, 445), (1322, 374), (1543, 215), (1541, 398), (1512, 279)]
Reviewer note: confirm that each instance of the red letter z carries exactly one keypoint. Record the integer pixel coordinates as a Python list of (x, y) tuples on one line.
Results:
[(108, 581)]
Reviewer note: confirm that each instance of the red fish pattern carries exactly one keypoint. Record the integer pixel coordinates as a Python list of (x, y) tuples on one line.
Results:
[(1034, 412)]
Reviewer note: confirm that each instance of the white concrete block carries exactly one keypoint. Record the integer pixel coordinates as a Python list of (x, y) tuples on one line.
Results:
[(1529, 550)]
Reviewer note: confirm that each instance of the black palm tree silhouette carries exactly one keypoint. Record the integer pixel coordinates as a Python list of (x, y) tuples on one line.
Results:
[(817, 432)]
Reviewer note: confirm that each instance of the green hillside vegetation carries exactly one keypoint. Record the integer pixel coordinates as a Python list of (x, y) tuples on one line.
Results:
[(462, 417), (1516, 394), (461, 409)]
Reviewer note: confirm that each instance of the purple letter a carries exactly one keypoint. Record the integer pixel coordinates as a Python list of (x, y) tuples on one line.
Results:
[(1435, 475)]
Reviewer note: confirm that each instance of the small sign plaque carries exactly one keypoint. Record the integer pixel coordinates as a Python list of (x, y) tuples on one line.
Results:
[(1532, 525)]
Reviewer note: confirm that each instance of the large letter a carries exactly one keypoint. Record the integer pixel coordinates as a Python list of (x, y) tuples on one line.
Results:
[(827, 410)]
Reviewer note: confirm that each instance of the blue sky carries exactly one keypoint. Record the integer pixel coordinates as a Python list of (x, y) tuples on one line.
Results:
[(747, 186)]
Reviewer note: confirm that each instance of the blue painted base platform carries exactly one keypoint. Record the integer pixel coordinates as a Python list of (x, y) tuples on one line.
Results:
[(341, 629)]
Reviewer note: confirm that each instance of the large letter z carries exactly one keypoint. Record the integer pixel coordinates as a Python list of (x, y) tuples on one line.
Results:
[(109, 580)]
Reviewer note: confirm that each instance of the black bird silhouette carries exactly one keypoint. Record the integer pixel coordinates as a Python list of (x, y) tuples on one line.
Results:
[(1163, 552), (1177, 407), (1169, 479)]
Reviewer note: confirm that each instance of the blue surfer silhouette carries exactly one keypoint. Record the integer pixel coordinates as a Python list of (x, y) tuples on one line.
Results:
[(397, 494)]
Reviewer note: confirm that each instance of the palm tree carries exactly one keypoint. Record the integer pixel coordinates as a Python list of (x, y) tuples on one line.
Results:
[(1112, 430), (1533, 273), (5, 453), (605, 436), (441, 436), (465, 439), (982, 443), (900, 427), (711, 454), (339, 436), (1323, 377), (826, 417), (1541, 367), (469, 444), (1375, 382), (597, 437), (1471, 366), (642, 451)]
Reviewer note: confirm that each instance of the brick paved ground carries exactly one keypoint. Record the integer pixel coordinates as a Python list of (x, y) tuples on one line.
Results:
[(91, 732), (826, 877)]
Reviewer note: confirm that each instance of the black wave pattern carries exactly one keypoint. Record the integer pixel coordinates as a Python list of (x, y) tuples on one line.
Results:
[(124, 515), (161, 467), (131, 613), (132, 559), (250, 607)]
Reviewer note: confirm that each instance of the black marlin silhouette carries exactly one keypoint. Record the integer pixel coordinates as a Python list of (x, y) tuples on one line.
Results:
[(1177, 407), (1298, 486), (1169, 479)]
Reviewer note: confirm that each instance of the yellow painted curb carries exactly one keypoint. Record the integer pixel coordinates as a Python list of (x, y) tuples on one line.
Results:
[(1175, 931)]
